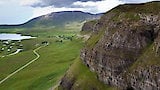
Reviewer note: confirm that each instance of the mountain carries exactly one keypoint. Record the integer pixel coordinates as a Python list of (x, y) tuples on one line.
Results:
[(56, 19), (123, 50)]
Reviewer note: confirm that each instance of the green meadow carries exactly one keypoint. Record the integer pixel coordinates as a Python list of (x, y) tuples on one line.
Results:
[(55, 59)]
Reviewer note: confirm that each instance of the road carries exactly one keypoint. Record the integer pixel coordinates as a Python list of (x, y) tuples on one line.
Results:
[(38, 56)]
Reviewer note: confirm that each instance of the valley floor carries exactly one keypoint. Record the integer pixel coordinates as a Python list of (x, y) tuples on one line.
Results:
[(37, 68)]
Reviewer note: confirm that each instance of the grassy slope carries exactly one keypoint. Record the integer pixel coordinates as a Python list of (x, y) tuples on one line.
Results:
[(84, 78), (148, 58), (68, 29), (53, 63), (55, 60), (46, 71), (93, 40), (11, 63)]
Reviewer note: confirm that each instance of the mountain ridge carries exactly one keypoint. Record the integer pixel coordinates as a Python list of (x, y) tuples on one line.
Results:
[(55, 19)]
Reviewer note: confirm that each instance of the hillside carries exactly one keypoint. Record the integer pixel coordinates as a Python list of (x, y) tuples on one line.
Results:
[(55, 19), (33, 68), (123, 50)]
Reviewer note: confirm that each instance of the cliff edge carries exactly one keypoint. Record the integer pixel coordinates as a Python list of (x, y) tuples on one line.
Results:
[(124, 47)]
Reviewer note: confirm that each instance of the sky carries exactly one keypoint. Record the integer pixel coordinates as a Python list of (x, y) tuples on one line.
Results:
[(20, 11)]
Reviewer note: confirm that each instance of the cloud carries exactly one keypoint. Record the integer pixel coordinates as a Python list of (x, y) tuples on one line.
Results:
[(39, 11), (137, 1), (18, 11), (89, 6), (99, 6), (42, 7), (46, 3), (42, 11), (29, 2), (13, 13), (68, 3)]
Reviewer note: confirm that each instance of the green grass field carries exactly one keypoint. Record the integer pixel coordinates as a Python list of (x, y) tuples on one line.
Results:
[(45, 72), (54, 59)]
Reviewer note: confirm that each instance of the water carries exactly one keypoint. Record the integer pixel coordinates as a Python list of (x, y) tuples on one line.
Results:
[(5, 36)]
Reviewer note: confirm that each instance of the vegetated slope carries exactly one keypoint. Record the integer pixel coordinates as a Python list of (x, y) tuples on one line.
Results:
[(88, 27), (56, 19), (46, 71), (79, 77), (124, 48)]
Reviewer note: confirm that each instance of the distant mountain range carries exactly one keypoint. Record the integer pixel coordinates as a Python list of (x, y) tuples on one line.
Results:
[(55, 19)]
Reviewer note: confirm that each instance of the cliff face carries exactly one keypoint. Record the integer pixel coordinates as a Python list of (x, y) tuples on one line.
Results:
[(89, 26), (124, 49)]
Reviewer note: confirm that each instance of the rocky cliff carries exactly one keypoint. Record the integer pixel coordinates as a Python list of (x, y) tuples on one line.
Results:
[(89, 26), (124, 48)]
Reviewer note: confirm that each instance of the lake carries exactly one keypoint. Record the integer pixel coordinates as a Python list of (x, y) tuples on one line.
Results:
[(5, 36)]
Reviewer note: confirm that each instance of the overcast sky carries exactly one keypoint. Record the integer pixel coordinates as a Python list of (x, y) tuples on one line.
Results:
[(20, 11)]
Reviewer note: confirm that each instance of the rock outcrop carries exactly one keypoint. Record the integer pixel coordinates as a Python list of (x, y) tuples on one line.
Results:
[(124, 48), (89, 26), (128, 35)]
